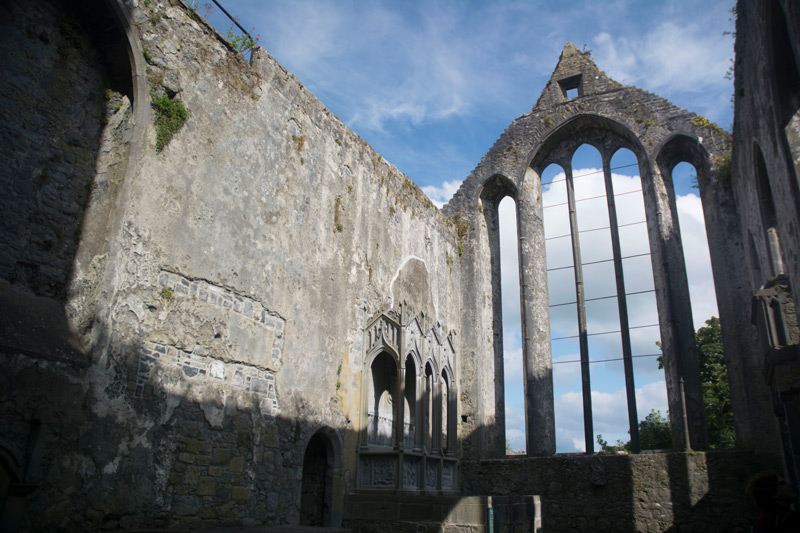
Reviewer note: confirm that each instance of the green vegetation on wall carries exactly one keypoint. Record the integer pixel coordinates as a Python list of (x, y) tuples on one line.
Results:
[(170, 116)]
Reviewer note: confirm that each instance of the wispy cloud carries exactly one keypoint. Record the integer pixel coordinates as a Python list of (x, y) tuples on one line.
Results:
[(667, 59)]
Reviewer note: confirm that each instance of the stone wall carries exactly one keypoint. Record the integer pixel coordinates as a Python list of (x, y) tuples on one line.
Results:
[(647, 492), (765, 166)]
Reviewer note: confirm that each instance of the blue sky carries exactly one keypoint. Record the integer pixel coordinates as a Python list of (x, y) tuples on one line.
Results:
[(432, 85)]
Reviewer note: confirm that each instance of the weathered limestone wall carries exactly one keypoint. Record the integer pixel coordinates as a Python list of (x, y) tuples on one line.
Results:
[(237, 271), (765, 167)]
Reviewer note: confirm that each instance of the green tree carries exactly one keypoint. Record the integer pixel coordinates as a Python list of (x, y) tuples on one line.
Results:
[(714, 384), (654, 432), (714, 379)]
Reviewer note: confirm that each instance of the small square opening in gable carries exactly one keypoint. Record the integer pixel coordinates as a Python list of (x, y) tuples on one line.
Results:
[(571, 87)]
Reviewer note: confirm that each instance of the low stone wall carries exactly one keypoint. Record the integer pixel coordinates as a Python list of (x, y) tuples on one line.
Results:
[(702, 491)]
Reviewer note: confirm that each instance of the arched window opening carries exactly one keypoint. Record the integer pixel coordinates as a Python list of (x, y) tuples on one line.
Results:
[(695, 243), (410, 407), (640, 299), (380, 416), (513, 375), (563, 310), (769, 219)]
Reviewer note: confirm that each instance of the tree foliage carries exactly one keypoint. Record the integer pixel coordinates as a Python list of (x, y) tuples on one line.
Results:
[(654, 434), (654, 430), (714, 379)]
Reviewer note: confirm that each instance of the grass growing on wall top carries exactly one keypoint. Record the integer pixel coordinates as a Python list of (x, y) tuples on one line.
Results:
[(170, 116)]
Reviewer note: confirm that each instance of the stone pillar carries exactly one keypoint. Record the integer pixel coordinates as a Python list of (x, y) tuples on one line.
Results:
[(681, 368), (436, 437), (452, 417), (399, 411), (536, 355), (419, 426), (583, 333), (400, 401), (493, 226), (622, 305)]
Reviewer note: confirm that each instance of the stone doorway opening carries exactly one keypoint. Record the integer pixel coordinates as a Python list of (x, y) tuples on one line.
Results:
[(317, 484)]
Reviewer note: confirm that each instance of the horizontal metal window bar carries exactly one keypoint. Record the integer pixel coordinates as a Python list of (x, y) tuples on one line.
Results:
[(588, 335), (565, 303), (605, 360), (560, 268), (636, 255), (599, 298), (590, 198), (609, 260), (605, 297), (602, 333), (598, 262), (593, 229), (627, 192), (559, 237), (581, 231), (631, 223), (592, 173), (639, 292)]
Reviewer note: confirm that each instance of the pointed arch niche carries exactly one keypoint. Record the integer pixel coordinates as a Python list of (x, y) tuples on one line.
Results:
[(408, 429)]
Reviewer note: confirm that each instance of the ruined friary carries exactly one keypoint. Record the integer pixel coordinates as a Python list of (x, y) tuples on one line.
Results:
[(219, 306)]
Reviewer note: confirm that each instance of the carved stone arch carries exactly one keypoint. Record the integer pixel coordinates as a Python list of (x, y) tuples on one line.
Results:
[(604, 134), (680, 148), (497, 187), (383, 348), (414, 355), (434, 368), (447, 372)]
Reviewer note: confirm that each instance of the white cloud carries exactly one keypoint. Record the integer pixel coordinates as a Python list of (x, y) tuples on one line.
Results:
[(669, 57), (442, 194), (698, 261), (610, 414)]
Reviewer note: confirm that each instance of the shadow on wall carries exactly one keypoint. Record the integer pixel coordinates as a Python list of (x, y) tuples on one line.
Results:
[(67, 89), (93, 451)]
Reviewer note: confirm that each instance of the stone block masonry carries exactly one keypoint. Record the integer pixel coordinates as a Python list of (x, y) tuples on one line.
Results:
[(179, 372), (273, 326)]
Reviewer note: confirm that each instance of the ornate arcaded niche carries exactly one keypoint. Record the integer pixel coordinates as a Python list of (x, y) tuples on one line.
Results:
[(409, 402)]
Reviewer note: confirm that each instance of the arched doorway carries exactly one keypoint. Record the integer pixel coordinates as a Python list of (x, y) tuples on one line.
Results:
[(317, 485)]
